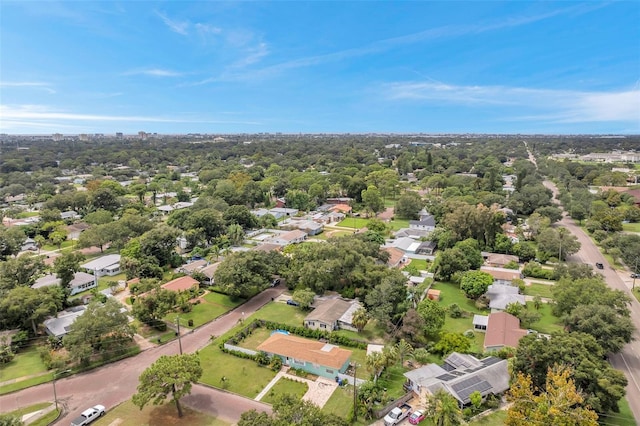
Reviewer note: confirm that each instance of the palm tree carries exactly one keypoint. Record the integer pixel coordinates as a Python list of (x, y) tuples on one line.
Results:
[(444, 409), (235, 234), (360, 319), (375, 364), (404, 350)]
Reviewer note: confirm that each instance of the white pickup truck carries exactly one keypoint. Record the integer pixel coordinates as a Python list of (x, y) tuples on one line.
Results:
[(89, 415), (398, 414)]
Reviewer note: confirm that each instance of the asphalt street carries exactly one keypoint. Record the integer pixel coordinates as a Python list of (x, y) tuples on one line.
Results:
[(628, 360), (115, 383)]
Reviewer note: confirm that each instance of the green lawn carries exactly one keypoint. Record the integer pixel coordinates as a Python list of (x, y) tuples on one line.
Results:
[(341, 402), (548, 323), (23, 384), (372, 333), (623, 418), (631, 227), (282, 313), (496, 418), (223, 300), (536, 289), (127, 414), (451, 293), (354, 222), (254, 340), (332, 234), (213, 305), (285, 386), (243, 376), (421, 264), (460, 325), (26, 363)]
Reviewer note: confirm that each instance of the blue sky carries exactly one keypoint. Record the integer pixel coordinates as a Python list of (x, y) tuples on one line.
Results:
[(358, 67)]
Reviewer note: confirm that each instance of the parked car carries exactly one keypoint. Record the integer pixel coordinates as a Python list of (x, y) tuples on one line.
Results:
[(292, 302), (89, 415), (635, 275), (599, 265), (275, 282), (396, 415), (416, 417)]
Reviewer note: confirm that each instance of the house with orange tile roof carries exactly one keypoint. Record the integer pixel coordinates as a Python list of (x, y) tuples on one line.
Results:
[(312, 356)]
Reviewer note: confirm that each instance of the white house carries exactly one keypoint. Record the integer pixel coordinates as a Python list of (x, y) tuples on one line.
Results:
[(105, 265), (81, 281), (58, 327)]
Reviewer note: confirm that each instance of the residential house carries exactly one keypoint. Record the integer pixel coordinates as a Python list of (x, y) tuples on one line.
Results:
[(411, 246), (58, 327), (342, 208), (426, 223), (460, 376), (81, 281), (396, 257), (480, 322), (309, 226), (500, 296), (503, 329), (185, 283), (499, 260), (192, 267), (74, 230), (280, 212), (312, 356), (267, 247), (209, 271), (105, 265), (29, 245), (333, 314), (502, 275), (415, 233), (69, 215), (339, 200), (291, 237)]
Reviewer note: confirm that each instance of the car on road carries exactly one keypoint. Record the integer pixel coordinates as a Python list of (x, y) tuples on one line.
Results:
[(275, 282), (417, 416), (599, 265), (635, 275), (292, 302), (89, 415)]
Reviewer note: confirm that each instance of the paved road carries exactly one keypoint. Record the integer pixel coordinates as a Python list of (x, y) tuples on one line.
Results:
[(115, 383), (628, 360)]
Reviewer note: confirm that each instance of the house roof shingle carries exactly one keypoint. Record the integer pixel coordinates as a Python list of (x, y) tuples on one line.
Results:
[(329, 311), (503, 329), (180, 284), (306, 350)]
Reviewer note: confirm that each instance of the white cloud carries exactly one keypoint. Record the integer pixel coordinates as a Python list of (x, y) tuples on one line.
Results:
[(175, 26), (155, 72), (36, 84), (568, 106), (35, 116)]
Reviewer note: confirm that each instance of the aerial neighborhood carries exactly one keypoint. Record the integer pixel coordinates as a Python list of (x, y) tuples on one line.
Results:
[(353, 279)]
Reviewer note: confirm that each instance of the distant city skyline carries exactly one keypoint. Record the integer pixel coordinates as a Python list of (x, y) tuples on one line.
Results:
[(320, 67)]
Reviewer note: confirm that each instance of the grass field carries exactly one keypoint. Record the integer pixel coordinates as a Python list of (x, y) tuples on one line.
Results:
[(496, 418), (242, 376), (127, 414), (42, 421), (451, 293), (26, 363), (548, 323), (213, 305), (281, 312), (631, 227), (27, 383), (421, 264), (536, 289), (285, 386)]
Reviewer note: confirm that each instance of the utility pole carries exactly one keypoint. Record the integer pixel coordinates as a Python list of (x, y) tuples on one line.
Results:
[(179, 337), (355, 391), (635, 274), (55, 395)]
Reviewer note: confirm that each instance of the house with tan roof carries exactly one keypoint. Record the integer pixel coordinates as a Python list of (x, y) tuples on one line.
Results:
[(291, 237), (343, 208), (194, 266), (503, 329), (396, 257), (498, 260), (504, 275), (181, 284), (333, 314), (312, 356)]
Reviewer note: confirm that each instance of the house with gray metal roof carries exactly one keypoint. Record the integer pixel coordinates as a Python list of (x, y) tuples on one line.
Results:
[(58, 327), (461, 375), (105, 265)]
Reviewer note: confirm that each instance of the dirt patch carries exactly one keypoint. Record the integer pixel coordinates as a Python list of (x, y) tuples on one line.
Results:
[(387, 214)]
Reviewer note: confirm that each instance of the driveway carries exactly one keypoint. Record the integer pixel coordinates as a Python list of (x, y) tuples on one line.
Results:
[(115, 383)]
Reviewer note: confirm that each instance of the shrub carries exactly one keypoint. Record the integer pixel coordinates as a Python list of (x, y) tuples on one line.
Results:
[(276, 363), (469, 334), (454, 310)]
